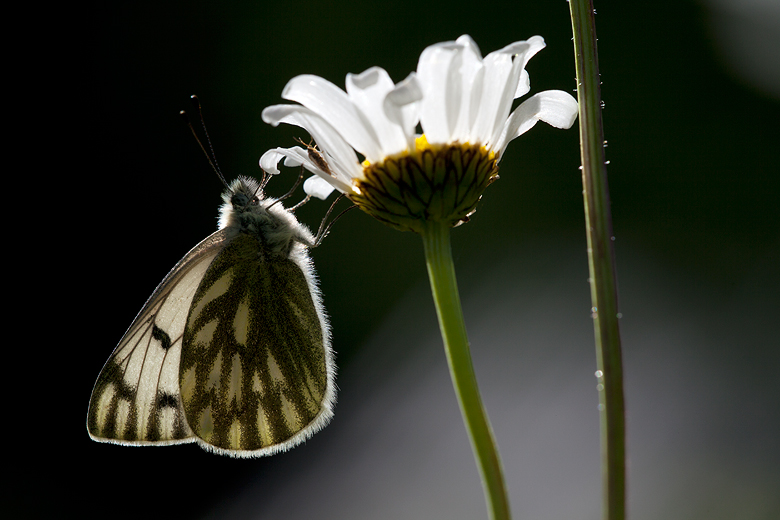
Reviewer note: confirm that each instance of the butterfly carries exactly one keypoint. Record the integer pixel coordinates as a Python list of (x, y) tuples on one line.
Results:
[(232, 350)]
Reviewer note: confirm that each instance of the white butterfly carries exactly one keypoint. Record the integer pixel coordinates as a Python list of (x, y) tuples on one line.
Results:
[(232, 350)]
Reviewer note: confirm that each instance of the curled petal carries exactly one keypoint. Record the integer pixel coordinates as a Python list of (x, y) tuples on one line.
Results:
[(317, 187), (297, 156), (506, 71), (269, 160), (292, 158), (555, 107), (524, 51)]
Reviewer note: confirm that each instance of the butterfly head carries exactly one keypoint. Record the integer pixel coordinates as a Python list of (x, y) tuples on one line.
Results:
[(243, 196), (246, 209)]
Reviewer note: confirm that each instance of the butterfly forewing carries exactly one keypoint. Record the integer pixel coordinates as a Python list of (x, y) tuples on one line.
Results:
[(136, 398), (253, 371)]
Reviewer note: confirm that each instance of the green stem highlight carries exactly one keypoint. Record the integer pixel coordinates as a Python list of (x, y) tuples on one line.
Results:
[(601, 261), (441, 272)]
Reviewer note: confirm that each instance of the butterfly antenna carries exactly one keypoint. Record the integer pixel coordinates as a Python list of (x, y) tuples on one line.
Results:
[(210, 155), (324, 229)]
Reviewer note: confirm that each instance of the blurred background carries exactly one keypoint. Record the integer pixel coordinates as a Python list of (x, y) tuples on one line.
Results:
[(692, 104)]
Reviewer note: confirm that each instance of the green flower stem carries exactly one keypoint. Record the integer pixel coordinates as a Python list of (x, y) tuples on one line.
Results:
[(441, 271), (601, 261)]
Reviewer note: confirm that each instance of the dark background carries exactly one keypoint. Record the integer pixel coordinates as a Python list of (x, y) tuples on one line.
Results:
[(692, 101)]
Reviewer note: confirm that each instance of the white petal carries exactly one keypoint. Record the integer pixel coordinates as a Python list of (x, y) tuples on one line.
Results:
[(471, 76), (511, 77), (524, 53), (296, 156), (293, 157), (270, 159), (299, 158), (401, 106), (554, 107), (500, 77), (505, 79), (334, 105), (367, 91), (437, 74), (467, 41), (467, 98), (337, 153), (524, 85), (317, 187)]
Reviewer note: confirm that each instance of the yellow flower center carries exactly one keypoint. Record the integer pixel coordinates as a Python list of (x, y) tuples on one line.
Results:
[(434, 183)]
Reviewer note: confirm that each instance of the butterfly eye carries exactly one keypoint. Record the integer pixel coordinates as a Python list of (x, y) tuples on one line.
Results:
[(239, 200), (255, 200)]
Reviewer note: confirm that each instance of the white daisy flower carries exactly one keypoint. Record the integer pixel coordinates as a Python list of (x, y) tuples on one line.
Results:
[(367, 148)]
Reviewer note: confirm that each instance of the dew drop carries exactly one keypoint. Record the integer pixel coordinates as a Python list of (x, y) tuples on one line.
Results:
[(600, 387), (599, 374)]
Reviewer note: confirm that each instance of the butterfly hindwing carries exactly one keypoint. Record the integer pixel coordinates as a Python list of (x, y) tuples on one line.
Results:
[(136, 398), (253, 371)]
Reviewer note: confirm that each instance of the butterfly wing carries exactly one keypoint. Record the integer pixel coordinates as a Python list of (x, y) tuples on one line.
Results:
[(136, 399), (256, 373)]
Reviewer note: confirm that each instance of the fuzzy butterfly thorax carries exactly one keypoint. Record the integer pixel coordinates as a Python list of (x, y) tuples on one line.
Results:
[(246, 209)]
